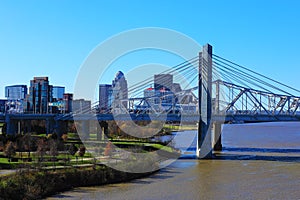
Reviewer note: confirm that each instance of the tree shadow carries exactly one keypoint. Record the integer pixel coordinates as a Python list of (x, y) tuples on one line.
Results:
[(74, 193), (162, 174)]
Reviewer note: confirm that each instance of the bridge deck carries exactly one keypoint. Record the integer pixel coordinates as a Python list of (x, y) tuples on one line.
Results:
[(233, 118)]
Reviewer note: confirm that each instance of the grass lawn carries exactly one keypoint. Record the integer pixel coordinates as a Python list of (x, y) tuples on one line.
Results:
[(153, 145), (181, 127), (65, 159), (5, 161)]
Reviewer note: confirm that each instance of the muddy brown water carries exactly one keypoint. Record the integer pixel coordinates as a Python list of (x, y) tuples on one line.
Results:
[(259, 161)]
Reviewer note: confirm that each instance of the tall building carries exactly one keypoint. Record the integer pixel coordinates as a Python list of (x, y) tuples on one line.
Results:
[(163, 81), (15, 95), (40, 94), (58, 92), (105, 97), (68, 101), (120, 89), (16, 92), (161, 96)]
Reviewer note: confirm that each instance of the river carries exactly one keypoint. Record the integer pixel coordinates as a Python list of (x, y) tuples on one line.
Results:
[(259, 161)]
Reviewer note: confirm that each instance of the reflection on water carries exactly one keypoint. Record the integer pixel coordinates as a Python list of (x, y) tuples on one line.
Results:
[(259, 161)]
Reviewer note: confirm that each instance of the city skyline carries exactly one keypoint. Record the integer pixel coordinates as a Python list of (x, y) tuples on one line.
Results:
[(54, 39), (43, 97), (152, 99)]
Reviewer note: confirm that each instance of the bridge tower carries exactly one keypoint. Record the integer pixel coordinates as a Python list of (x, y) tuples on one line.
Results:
[(206, 130)]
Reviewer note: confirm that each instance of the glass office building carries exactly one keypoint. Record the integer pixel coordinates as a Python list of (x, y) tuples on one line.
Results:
[(105, 97), (40, 94), (16, 92)]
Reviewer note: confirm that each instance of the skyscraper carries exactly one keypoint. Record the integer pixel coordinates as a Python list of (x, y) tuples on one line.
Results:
[(120, 89), (16, 92), (40, 94), (163, 81), (105, 97)]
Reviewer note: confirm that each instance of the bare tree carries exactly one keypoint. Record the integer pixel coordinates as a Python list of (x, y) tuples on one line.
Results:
[(53, 146), (27, 139), (9, 150), (108, 149), (81, 152), (1, 145), (73, 149), (20, 145), (41, 148)]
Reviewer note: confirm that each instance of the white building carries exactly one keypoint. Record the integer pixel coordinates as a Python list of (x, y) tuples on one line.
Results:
[(120, 91)]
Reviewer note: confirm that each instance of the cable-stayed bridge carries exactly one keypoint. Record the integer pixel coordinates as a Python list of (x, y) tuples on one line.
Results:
[(214, 91)]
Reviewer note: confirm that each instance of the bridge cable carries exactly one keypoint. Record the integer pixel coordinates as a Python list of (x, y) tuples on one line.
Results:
[(292, 88), (253, 78)]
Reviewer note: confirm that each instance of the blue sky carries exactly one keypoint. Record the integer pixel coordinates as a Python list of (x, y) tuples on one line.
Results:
[(53, 38)]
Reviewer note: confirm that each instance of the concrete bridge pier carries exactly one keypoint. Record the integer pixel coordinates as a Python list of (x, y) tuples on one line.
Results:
[(60, 127), (50, 126), (12, 126), (99, 133), (217, 139), (19, 127), (103, 130), (27, 126), (86, 129)]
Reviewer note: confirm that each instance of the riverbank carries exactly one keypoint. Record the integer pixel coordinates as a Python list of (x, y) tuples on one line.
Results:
[(35, 183), (39, 184), (36, 179)]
